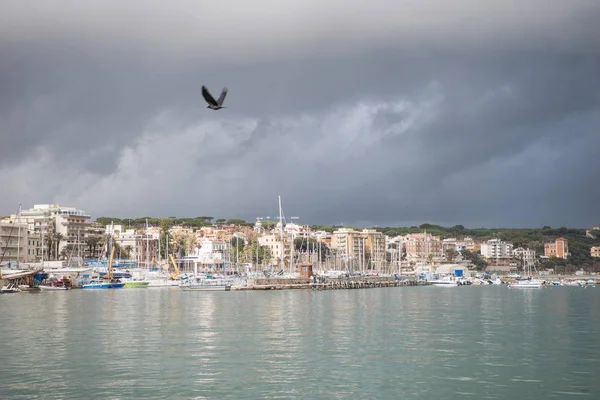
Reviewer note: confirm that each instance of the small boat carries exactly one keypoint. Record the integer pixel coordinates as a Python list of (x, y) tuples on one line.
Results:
[(444, 282), (10, 288), (109, 282), (94, 284), (57, 284), (206, 284), (131, 283), (527, 284)]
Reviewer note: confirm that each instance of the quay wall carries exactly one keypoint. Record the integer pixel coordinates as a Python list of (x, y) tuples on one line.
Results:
[(324, 283), (278, 281)]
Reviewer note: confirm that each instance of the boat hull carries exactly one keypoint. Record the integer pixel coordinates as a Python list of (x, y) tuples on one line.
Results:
[(103, 285), (205, 288), (53, 288), (526, 285), (450, 284), (136, 284), (10, 290)]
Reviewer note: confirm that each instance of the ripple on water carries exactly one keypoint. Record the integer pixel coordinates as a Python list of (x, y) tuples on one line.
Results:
[(473, 342)]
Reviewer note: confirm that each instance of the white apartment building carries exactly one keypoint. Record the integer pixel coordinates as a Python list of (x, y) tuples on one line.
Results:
[(14, 242), (70, 222), (496, 249), (143, 247)]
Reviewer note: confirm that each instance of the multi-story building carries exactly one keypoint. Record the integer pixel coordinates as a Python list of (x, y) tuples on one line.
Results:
[(375, 247), (559, 248), (348, 243), (14, 242), (526, 256), (34, 246), (496, 249), (595, 251), (277, 247), (360, 250), (422, 246), (72, 224), (143, 248), (47, 219), (468, 244)]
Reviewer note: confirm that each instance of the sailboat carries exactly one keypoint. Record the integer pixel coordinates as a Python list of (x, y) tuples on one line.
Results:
[(528, 282)]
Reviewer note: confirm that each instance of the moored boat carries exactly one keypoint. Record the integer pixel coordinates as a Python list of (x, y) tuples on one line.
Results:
[(10, 288), (57, 284), (94, 284), (527, 284), (135, 283), (206, 284), (109, 282)]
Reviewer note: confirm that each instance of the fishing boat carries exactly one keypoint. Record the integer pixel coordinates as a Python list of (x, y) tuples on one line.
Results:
[(57, 284), (109, 282)]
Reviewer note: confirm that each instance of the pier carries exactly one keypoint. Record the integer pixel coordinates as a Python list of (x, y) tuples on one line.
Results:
[(326, 283)]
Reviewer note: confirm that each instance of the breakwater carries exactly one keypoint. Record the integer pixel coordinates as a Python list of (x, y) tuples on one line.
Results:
[(326, 283)]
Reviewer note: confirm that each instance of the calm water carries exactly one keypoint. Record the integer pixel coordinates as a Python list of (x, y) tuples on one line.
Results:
[(424, 342)]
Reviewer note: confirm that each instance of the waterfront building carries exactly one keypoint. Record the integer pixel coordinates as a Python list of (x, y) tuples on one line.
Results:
[(559, 248), (595, 251), (496, 249), (14, 242)]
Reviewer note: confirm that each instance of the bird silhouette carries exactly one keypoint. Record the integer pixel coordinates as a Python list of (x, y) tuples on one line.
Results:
[(212, 103)]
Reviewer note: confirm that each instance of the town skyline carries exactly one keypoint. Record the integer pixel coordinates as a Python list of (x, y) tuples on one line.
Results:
[(294, 218)]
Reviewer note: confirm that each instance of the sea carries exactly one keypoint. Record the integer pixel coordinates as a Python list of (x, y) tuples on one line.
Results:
[(466, 342)]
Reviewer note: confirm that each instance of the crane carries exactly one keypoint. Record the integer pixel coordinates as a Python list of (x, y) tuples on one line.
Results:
[(174, 276)]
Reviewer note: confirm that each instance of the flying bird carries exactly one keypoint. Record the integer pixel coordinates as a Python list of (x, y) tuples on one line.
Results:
[(212, 103)]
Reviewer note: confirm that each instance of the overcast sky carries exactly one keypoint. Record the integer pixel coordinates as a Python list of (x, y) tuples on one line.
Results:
[(380, 112)]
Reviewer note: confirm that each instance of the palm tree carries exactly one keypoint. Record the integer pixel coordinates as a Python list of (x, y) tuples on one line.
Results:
[(127, 251), (58, 237), (50, 245)]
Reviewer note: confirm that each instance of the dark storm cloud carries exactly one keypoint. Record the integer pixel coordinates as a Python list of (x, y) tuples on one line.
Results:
[(380, 113)]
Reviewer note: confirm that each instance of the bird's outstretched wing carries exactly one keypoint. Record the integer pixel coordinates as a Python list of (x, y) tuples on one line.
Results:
[(208, 97), (221, 98)]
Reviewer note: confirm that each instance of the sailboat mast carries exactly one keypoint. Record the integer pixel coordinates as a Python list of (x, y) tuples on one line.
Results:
[(147, 246), (19, 235), (281, 264)]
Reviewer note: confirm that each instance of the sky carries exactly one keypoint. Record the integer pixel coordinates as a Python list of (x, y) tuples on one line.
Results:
[(386, 112)]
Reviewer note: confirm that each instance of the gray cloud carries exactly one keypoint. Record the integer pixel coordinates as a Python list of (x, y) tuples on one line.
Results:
[(374, 113)]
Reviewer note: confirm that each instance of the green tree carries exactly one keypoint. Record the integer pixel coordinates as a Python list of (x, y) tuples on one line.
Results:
[(451, 254), (235, 221), (57, 238), (475, 259), (127, 251), (252, 250)]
